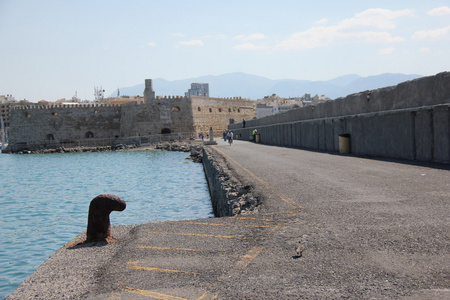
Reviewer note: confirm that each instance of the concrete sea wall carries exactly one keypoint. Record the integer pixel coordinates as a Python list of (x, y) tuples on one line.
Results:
[(409, 121)]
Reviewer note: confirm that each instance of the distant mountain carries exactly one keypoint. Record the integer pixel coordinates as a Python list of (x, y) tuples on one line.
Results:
[(256, 87)]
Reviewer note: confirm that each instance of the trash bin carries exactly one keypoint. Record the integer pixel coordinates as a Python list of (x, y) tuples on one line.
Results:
[(257, 138), (344, 143)]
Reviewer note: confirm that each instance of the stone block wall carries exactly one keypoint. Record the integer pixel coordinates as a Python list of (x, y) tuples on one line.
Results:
[(40, 127), (410, 121), (161, 115), (217, 112)]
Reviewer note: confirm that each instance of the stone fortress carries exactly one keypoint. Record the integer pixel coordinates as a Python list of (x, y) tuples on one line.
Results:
[(41, 127)]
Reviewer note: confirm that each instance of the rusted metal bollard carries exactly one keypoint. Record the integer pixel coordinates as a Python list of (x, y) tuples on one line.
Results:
[(99, 226)]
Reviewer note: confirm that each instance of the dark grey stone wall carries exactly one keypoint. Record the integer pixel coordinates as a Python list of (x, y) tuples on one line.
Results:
[(410, 121)]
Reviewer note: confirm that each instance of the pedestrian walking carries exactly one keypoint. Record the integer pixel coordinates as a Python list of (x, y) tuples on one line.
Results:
[(230, 137)]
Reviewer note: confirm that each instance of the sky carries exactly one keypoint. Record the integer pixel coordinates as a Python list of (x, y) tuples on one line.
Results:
[(52, 49)]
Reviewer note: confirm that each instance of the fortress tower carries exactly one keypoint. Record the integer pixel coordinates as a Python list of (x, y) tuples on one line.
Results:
[(149, 93)]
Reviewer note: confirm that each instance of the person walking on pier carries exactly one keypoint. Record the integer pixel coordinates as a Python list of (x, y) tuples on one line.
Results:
[(230, 137)]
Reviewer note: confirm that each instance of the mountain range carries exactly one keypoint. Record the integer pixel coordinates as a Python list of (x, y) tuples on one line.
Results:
[(256, 87)]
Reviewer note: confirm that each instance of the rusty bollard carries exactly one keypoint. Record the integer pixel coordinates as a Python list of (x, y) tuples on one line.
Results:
[(99, 226)]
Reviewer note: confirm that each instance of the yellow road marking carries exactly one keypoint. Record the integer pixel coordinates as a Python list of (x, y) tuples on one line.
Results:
[(275, 228), (218, 224), (114, 296), (155, 295), (251, 218), (133, 265), (186, 249), (167, 248), (151, 294), (286, 199), (194, 234), (207, 296), (247, 258)]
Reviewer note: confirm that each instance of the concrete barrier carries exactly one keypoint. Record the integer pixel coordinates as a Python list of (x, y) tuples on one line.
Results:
[(409, 121)]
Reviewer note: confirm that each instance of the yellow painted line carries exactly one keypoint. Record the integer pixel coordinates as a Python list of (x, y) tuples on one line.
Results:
[(275, 228), (251, 218), (153, 295), (133, 265), (194, 234), (114, 296), (167, 248), (247, 258), (277, 213), (207, 296), (288, 200), (186, 249), (218, 224)]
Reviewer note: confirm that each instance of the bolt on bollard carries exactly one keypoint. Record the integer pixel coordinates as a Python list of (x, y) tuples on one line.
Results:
[(99, 225)]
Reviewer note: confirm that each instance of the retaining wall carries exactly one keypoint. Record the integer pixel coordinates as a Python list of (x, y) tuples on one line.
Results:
[(229, 197), (409, 121)]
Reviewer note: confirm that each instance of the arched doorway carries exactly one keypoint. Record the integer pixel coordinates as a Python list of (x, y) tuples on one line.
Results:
[(89, 135), (166, 131)]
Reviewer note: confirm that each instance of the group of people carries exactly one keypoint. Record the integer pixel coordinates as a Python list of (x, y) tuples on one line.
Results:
[(202, 136), (228, 136)]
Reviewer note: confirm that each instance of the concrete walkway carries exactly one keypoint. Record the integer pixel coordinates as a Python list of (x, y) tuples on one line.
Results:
[(369, 229)]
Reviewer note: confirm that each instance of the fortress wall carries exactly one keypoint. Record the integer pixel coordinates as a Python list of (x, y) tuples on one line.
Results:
[(37, 126), (173, 113), (48, 126), (217, 112)]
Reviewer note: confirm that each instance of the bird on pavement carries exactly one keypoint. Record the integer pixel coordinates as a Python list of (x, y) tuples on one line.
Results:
[(299, 249)]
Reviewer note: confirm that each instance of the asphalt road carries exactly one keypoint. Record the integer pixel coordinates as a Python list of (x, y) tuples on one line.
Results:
[(368, 229)]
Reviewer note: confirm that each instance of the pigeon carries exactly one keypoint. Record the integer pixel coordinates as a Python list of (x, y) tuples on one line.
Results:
[(299, 249)]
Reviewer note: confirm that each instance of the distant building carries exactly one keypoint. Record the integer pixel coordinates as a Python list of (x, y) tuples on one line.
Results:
[(274, 104), (198, 89), (7, 98)]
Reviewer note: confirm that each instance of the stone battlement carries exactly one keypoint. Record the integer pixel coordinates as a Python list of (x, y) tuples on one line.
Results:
[(171, 97), (65, 106)]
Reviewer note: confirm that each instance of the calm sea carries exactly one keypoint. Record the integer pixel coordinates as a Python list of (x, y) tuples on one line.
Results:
[(45, 199)]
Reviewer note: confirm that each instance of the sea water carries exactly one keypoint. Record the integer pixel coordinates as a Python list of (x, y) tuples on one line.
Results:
[(44, 199)]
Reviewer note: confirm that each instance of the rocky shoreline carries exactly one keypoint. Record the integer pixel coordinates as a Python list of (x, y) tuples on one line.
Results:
[(168, 146)]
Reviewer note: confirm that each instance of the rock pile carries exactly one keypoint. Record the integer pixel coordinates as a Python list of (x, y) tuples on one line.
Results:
[(230, 197)]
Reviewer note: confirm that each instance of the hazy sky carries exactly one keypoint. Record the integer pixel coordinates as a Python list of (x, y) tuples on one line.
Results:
[(51, 49)]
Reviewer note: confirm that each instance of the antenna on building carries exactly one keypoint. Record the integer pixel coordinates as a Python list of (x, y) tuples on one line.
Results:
[(98, 93), (118, 93)]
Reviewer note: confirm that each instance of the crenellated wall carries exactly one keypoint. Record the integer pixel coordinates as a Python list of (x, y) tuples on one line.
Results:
[(41, 125), (217, 112), (408, 121), (37, 127)]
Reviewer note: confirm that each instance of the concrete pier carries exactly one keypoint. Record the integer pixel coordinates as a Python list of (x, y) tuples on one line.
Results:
[(370, 229)]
